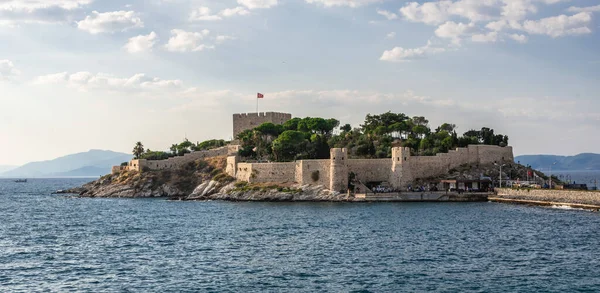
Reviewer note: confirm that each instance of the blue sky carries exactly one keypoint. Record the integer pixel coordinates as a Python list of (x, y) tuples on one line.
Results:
[(83, 74)]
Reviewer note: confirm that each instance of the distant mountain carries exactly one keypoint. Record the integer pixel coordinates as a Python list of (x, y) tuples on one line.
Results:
[(4, 168), (91, 163), (564, 163)]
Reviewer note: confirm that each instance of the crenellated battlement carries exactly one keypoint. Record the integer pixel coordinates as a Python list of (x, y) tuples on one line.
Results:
[(245, 121)]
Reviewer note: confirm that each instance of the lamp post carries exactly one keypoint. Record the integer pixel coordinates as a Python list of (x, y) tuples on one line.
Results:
[(500, 172), (550, 178)]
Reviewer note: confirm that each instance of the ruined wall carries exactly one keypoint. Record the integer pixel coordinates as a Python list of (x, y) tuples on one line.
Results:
[(246, 121)]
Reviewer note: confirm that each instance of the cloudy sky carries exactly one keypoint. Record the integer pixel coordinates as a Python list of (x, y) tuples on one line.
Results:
[(89, 74)]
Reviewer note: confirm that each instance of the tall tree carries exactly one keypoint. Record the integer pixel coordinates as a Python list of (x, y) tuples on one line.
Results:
[(138, 150)]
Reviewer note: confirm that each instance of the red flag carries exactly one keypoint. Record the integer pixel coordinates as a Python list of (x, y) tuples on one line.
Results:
[(260, 96)]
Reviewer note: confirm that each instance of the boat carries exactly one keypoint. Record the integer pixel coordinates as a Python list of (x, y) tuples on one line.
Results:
[(21, 180)]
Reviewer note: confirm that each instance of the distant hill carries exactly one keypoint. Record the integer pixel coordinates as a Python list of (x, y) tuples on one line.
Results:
[(565, 163), (4, 168), (91, 163)]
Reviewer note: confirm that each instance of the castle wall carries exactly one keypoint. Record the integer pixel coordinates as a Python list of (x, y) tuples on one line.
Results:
[(244, 172), (273, 172), (489, 154), (426, 166), (401, 170), (368, 170), (305, 169), (247, 121), (178, 161)]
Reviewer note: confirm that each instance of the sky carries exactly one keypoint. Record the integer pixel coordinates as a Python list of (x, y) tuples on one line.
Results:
[(89, 74)]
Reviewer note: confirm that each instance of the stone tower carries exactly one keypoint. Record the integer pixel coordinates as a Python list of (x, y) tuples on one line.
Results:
[(247, 121), (400, 173), (338, 170)]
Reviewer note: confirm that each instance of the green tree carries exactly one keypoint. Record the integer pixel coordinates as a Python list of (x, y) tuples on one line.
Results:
[(346, 128), (289, 145), (138, 150)]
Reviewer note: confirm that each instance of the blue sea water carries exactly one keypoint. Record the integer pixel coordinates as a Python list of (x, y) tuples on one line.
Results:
[(51, 243)]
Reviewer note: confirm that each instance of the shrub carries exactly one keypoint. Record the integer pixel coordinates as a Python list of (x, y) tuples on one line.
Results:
[(241, 184), (215, 172), (315, 176), (124, 164)]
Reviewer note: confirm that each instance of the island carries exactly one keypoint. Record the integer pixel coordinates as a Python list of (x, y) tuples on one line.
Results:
[(274, 157)]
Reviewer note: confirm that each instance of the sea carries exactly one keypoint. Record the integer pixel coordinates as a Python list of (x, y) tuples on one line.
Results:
[(56, 243)]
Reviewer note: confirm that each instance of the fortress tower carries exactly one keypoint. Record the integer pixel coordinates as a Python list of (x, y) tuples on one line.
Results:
[(338, 170), (247, 121), (400, 166)]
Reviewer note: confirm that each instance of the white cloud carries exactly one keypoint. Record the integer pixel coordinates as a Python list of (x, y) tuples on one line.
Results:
[(32, 5), (391, 35), (110, 22), (88, 81), (437, 12), (490, 37), (519, 38), (182, 41), (561, 25), (455, 31), (15, 12), (502, 24), (429, 12), (203, 13), (256, 4), (229, 12), (7, 70), (399, 54), (141, 43), (223, 38), (387, 14), (584, 9), (517, 9), (349, 3)]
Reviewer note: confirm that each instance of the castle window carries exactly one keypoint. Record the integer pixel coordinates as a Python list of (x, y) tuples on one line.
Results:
[(404, 158)]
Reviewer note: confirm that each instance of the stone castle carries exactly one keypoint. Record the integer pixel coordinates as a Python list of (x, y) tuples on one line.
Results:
[(399, 171)]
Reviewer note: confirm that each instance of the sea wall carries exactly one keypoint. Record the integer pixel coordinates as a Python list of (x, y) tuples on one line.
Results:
[(553, 196)]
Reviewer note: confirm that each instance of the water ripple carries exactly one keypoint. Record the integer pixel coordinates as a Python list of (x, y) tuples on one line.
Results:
[(57, 244)]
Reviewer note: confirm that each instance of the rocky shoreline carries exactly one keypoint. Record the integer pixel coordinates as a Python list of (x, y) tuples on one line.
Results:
[(208, 190)]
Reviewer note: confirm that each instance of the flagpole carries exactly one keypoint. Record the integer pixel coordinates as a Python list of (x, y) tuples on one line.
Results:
[(256, 103)]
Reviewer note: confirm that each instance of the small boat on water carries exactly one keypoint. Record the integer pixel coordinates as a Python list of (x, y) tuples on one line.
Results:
[(21, 180)]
